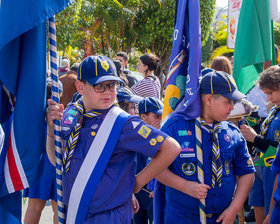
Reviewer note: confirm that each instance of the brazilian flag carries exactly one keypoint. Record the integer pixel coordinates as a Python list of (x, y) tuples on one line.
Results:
[(267, 158)]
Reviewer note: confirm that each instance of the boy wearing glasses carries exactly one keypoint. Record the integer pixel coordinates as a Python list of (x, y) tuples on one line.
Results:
[(101, 142)]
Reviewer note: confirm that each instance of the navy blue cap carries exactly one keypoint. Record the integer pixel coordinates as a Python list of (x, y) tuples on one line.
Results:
[(97, 69), (150, 104), (218, 82), (126, 95)]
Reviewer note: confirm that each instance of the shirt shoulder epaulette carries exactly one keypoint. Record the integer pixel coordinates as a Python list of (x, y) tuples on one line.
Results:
[(229, 125)]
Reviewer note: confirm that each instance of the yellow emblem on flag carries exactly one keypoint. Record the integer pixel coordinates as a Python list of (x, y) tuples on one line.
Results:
[(144, 131), (105, 65), (153, 142), (160, 138)]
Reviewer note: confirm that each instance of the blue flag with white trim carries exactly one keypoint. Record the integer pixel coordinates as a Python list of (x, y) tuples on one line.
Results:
[(22, 97), (182, 87)]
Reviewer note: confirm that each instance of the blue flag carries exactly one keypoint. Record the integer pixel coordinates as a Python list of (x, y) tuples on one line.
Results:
[(182, 90), (182, 95), (22, 97)]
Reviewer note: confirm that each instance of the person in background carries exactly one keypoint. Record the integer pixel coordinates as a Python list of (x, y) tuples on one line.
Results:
[(120, 71), (149, 86), (128, 102), (123, 58), (222, 63), (75, 66), (64, 66), (150, 111), (260, 195), (68, 81)]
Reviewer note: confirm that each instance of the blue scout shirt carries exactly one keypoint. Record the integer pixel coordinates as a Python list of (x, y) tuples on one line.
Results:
[(273, 132), (115, 187), (235, 157), (276, 169)]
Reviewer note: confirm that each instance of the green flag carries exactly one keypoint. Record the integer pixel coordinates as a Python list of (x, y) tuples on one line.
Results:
[(268, 157), (253, 45)]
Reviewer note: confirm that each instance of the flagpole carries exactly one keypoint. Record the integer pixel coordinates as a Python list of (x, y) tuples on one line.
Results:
[(57, 127), (200, 172)]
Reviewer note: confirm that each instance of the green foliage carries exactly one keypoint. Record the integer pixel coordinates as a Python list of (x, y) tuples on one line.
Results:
[(206, 50), (154, 25), (276, 28), (207, 11), (221, 33), (222, 50)]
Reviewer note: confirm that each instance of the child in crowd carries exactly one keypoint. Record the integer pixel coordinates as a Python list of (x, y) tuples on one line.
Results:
[(261, 193), (150, 111), (128, 102), (101, 142), (45, 188), (227, 165)]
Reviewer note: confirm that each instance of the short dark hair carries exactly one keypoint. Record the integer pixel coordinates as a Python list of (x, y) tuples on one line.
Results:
[(123, 54), (124, 105), (270, 78)]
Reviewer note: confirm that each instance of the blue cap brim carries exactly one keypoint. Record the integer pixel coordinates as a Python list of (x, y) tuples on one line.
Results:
[(97, 80), (135, 99), (234, 96), (159, 112)]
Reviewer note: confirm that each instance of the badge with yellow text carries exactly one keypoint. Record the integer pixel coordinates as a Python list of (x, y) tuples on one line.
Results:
[(144, 131)]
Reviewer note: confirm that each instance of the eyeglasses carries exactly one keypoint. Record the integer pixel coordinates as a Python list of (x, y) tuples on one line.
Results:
[(101, 87)]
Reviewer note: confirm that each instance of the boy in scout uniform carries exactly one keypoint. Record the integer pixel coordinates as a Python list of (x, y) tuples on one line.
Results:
[(101, 142), (227, 165), (150, 111)]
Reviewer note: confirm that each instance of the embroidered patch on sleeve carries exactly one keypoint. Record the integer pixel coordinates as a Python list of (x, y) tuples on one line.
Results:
[(144, 131)]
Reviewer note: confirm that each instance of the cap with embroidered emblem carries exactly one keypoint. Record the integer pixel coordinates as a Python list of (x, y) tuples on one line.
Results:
[(218, 82), (97, 69), (150, 104)]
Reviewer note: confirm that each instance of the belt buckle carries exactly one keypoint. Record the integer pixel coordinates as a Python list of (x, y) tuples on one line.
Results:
[(209, 216)]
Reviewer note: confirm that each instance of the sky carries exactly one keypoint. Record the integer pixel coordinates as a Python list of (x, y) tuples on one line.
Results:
[(223, 3)]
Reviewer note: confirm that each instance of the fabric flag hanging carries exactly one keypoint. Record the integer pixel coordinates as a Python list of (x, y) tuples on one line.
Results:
[(253, 42), (182, 86), (22, 97), (182, 92)]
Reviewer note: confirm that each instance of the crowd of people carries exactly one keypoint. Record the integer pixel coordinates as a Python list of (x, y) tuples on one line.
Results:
[(141, 170)]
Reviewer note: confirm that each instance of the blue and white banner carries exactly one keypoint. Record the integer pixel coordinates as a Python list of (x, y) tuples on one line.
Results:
[(22, 96)]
